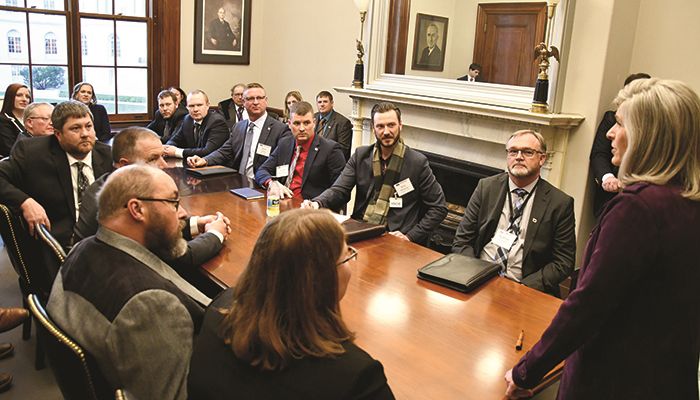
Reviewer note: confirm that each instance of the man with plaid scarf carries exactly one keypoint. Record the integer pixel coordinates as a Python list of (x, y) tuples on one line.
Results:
[(395, 185)]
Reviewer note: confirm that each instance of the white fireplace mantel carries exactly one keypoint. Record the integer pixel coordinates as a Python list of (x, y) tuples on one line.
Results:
[(464, 130)]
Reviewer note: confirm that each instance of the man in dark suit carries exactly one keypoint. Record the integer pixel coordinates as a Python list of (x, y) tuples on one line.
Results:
[(233, 108), (305, 164), (202, 131), (220, 36), (205, 234), (431, 55), (395, 185), (45, 177), (521, 221), (168, 117), (252, 141), (473, 74), (115, 296), (331, 124)]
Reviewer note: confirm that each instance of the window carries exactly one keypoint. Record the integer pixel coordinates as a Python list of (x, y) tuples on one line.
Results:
[(14, 42), (83, 44), (50, 44), (111, 45), (12, 3), (49, 4)]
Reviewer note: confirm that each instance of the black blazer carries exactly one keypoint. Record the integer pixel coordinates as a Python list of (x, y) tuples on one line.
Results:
[(38, 168), (102, 128), (10, 127), (338, 129), (213, 135), (550, 240), (601, 162), (230, 153), (323, 165), (225, 107), (423, 208), (158, 123), (216, 373)]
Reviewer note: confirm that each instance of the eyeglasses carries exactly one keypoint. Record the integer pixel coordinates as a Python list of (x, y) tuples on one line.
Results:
[(175, 201), (258, 98), (41, 118), (352, 256), (527, 153)]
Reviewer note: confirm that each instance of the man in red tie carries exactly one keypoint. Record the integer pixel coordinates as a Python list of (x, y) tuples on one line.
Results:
[(305, 164)]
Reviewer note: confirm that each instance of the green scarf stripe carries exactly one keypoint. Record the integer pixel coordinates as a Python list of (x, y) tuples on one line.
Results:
[(378, 207)]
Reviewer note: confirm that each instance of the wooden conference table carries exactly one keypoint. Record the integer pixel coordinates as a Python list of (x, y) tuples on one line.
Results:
[(434, 343)]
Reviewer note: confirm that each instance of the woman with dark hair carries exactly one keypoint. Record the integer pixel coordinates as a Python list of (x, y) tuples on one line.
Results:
[(631, 328), (292, 97), (181, 97), (17, 98), (85, 93), (279, 334)]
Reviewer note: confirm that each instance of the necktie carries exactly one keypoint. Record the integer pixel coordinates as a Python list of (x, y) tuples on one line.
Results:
[(242, 168), (239, 114), (514, 226), (166, 129), (321, 125), (197, 134), (293, 166), (82, 180)]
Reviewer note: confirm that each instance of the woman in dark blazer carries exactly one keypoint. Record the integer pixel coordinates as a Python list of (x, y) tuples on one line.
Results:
[(631, 329), (85, 93), (17, 98), (279, 334)]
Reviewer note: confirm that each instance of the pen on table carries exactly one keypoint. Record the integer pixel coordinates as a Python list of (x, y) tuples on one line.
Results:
[(519, 343)]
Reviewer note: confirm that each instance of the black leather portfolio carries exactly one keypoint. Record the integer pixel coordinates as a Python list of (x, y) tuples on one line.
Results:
[(359, 230), (203, 172), (459, 272)]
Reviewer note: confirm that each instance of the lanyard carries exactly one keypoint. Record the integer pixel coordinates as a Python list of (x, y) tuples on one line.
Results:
[(512, 216)]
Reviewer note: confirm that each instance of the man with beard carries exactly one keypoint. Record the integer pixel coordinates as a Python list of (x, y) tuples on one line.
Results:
[(169, 116), (395, 185), (520, 220), (134, 314), (45, 177)]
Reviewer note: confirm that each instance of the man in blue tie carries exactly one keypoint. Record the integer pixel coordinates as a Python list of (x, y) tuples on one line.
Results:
[(521, 221), (251, 141)]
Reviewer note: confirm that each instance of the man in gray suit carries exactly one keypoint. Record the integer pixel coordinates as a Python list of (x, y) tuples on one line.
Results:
[(331, 124), (132, 312), (251, 141), (520, 220), (395, 185)]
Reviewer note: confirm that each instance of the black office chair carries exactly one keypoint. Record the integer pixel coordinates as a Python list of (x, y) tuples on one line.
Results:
[(52, 243), (75, 370)]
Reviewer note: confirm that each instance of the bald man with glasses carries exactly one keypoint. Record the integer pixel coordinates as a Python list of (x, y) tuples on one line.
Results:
[(520, 221)]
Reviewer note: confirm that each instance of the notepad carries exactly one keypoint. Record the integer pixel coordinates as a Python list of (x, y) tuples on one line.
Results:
[(211, 171), (247, 193)]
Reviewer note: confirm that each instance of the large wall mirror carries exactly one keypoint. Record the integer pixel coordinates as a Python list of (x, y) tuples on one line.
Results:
[(422, 47)]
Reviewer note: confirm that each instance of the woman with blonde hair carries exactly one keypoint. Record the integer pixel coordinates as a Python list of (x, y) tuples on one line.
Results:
[(279, 333), (85, 93), (291, 98), (631, 329)]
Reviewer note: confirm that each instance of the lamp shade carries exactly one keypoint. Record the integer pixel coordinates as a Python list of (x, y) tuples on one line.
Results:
[(362, 5)]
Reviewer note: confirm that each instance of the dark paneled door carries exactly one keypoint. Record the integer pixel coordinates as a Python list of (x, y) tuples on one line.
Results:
[(506, 35)]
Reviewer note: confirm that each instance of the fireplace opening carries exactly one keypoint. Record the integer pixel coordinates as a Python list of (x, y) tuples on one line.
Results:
[(458, 179)]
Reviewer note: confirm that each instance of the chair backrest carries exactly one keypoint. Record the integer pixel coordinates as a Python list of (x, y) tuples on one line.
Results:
[(52, 243), (76, 372)]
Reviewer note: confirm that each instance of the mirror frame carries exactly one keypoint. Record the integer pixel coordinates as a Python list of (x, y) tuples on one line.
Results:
[(490, 94)]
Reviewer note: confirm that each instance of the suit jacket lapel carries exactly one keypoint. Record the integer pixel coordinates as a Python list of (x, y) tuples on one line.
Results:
[(308, 164), (539, 205), (60, 163), (498, 193)]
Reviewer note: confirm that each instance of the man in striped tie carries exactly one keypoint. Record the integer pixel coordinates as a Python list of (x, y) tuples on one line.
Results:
[(520, 221)]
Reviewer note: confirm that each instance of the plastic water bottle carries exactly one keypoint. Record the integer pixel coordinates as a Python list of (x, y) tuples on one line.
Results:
[(273, 200)]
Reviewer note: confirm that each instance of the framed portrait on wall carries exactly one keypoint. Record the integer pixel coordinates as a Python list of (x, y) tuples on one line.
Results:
[(429, 43), (222, 32)]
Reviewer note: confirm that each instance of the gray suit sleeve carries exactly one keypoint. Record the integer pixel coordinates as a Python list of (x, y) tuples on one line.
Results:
[(225, 154), (468, 229), (433, 200), (335, 162), (218, 133), (338, 195), (150, 344), (345, 136), (563, 251)]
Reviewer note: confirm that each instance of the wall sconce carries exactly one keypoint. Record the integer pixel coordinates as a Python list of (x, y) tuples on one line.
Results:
[(543, 52), (358, 81)]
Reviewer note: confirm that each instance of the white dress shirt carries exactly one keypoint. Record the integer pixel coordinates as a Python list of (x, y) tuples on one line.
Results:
[(257, 128), (87, 171)]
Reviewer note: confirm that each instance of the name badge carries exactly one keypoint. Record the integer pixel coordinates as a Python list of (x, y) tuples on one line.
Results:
[(263, 150), (282, 170), (403, 187), (395, 202), (504, 239)]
